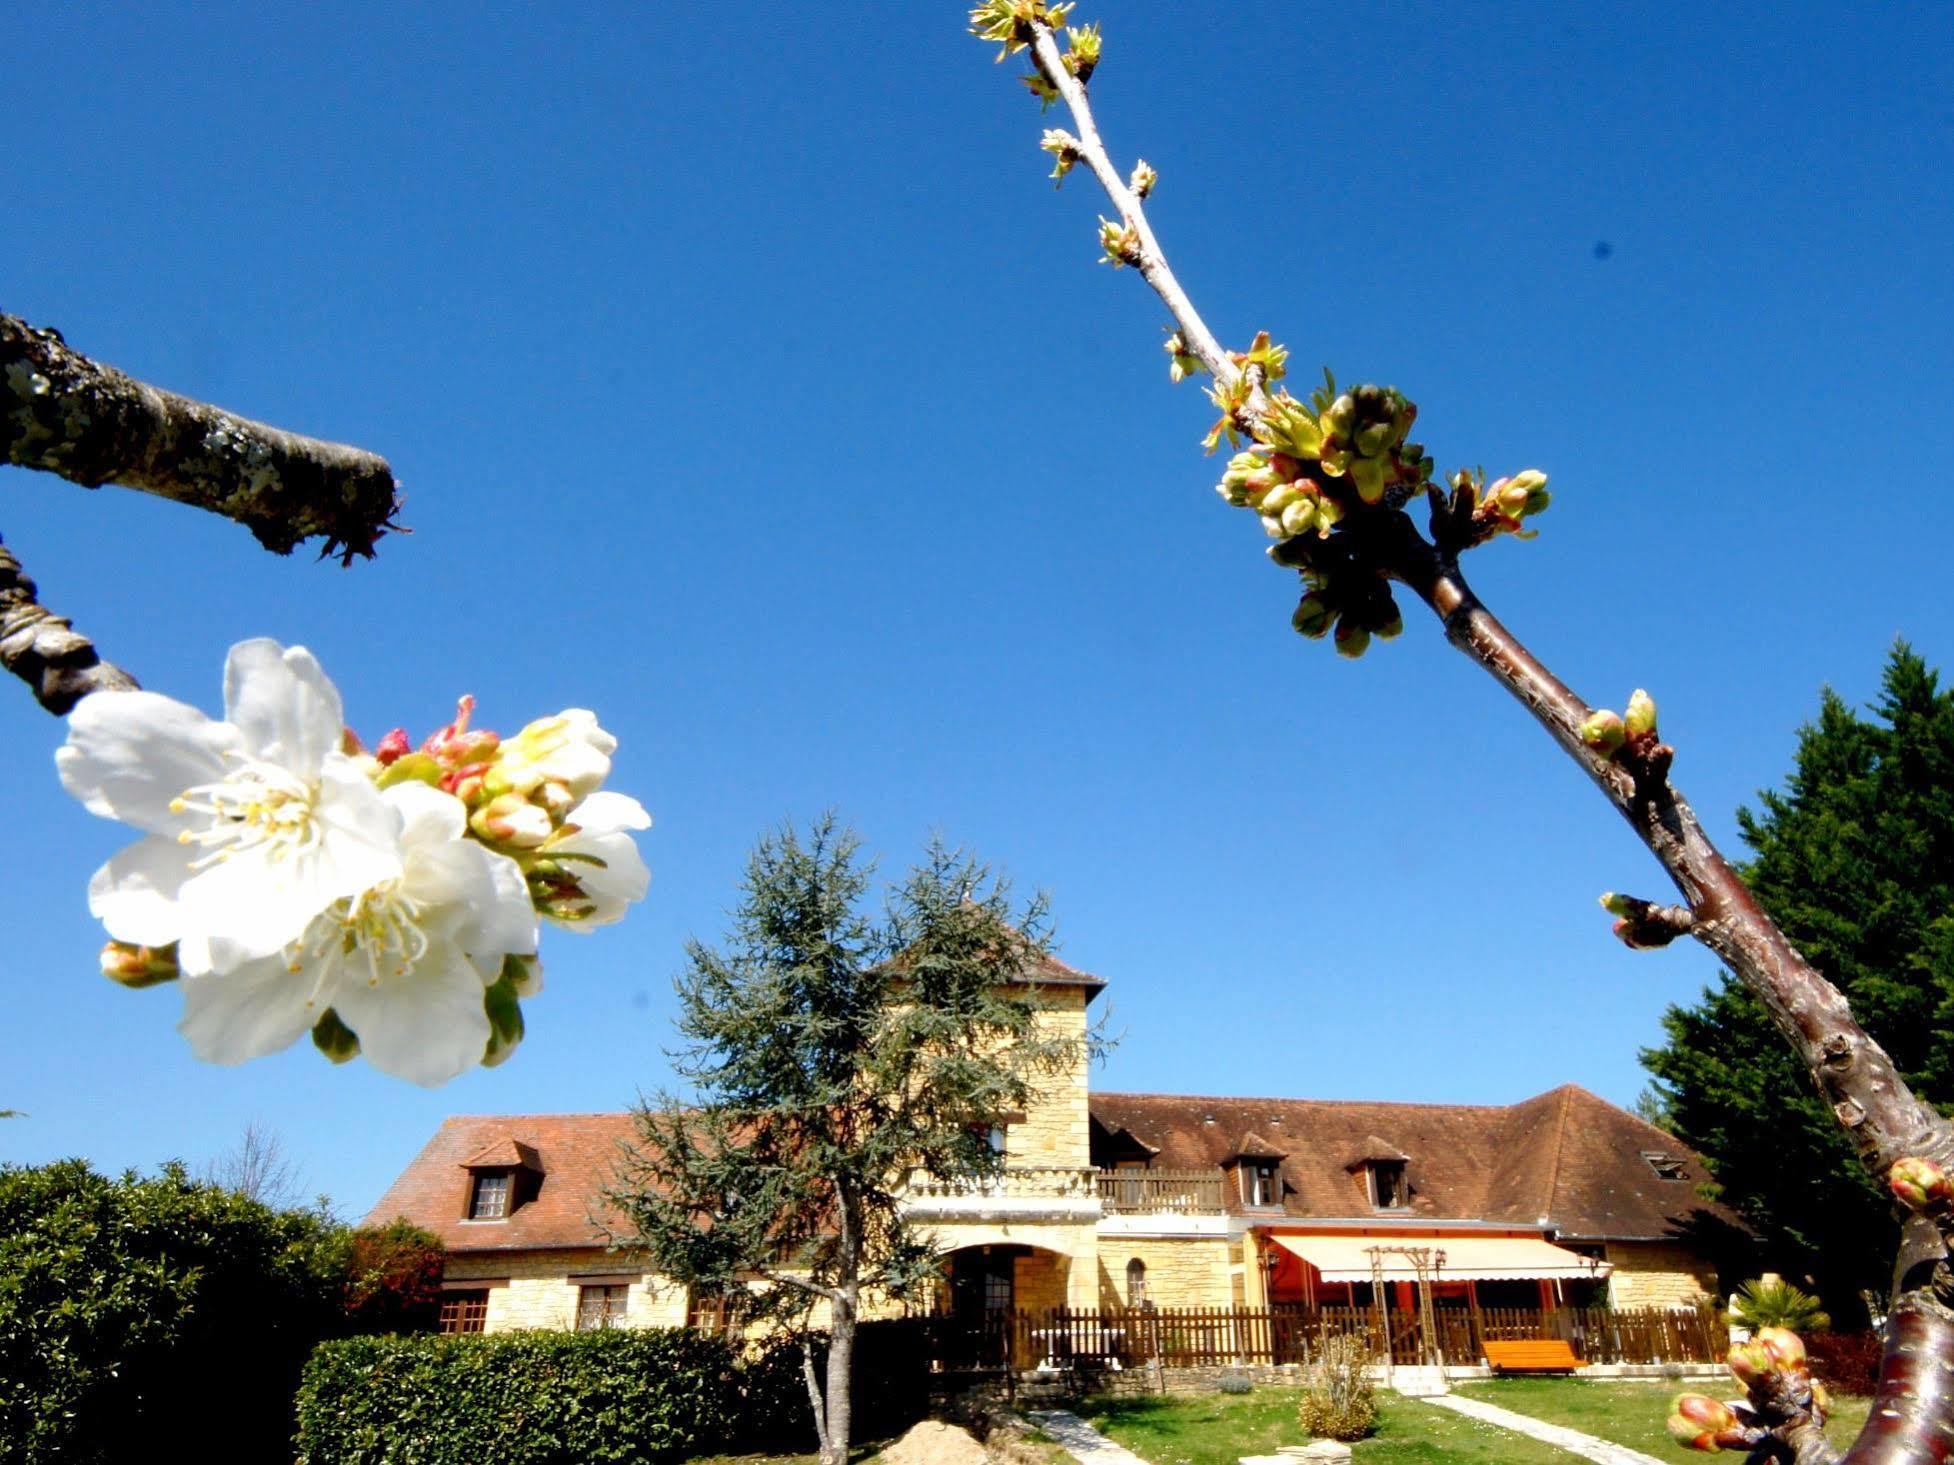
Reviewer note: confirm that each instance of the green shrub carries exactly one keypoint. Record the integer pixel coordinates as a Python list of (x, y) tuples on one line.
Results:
[(613, 1397), (1772, 1302), (137, 1311), (1338, 1401)]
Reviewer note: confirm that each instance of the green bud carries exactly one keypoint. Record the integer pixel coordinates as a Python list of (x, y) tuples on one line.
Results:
[(1313, 616), (1603, 731), (411, 768), (1368, 476), (1531, 480), (137, 967), (1696, 1420), (1143, 179), (1341, 417), (1617, 904), (1299, 517), (1352, 639), (1391, 627), (1373, 439), (1289, 428), (334, 1039), (1640, 717)]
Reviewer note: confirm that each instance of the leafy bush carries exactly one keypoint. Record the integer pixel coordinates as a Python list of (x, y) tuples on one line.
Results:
[(1772, 1302), (391, 1279), (612, 1397), (1847, 1362), (134, 1311), (1235, 1383), (1338, 1402)]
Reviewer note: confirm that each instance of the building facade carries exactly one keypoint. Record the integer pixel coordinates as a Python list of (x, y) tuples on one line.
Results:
[(1110, 1200)]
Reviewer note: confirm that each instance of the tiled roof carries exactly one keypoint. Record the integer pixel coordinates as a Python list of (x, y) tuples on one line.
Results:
[(576, 1154), (1566, 1159)]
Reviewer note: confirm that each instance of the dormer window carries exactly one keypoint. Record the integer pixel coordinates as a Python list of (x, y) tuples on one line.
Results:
[(501, 1180), (1666, 1166), (489, 1200), (1388, 1190), (1260, 1186)]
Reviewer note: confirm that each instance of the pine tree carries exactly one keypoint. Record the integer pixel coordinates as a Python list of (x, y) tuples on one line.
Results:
[(833, 1056), (1854, 859)]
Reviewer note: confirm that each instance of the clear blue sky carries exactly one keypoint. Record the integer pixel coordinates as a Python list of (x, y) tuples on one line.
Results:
[(751, 385)]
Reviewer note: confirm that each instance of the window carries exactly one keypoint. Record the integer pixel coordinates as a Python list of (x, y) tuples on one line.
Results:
[(709, 1310), (489, 1200), (1259, 1184), (1666, 1167), (464, 1312), (1388, 1190), (1136, 1283), (601, 1307)]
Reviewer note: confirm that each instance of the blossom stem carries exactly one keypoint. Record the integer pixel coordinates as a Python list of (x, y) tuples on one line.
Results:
[(92, 424), (44, 650)]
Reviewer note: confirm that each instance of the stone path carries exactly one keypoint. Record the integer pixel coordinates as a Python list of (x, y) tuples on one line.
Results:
[(1079, 1439), (1571, 1440)]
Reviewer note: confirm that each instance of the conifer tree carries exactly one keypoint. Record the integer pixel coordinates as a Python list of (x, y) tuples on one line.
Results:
[(833, 1056), (1854, 859)]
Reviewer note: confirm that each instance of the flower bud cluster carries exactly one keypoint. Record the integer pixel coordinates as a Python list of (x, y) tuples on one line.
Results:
[(1919, 1184), (1009, 23), (1775, 1371), (387, 902), (1063, 147), (1350, 604), (1630, 738), (1506, 502), (1119, 244)]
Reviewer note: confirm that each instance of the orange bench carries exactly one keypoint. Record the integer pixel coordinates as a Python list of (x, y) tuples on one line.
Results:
[(1532, 1355)]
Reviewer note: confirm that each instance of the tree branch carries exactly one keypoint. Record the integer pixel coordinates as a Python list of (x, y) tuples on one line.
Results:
[(44, 650), (1913, 1416), (788, 1279), (1152, 262), (63, 413)]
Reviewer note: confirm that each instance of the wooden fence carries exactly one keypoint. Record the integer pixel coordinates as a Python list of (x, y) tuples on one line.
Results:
[(1193, 1337)]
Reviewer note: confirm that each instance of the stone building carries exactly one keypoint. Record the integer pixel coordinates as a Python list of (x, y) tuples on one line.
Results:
[(1125, 1200)]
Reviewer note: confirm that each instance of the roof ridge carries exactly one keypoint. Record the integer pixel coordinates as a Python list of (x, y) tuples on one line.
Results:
[(1270, 1099)]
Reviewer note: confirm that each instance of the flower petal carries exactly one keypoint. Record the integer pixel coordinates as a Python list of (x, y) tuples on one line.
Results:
[(605, 811), (129, 754), (260, 1008), (135, 894), (475, 899), (611, 887), (426, 1026), (427, 815), (284, 705)]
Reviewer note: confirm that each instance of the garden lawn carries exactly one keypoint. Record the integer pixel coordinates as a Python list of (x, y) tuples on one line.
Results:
[(1632, 1414), (1216, 1429)]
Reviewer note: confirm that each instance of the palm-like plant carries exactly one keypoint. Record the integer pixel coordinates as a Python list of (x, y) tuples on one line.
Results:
[(1771, 1302)]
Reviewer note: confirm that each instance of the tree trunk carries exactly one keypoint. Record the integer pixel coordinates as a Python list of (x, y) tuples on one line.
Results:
[(841, 1361)]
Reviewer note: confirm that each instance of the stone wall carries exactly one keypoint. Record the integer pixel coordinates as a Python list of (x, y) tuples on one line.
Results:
[(1658, 1274), (541, 1289), (1181, 1272), (1056, 1126)]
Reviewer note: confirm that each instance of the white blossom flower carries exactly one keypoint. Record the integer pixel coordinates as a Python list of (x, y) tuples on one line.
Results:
[(606, 869), (254, 824), (404, 963), (569, 748)]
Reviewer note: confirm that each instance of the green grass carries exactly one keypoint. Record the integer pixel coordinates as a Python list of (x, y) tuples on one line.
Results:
[(1217, 1429), (1631, 1414)]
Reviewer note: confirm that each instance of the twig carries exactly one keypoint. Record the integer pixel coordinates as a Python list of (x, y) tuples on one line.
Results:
[(65, 414), (1152, 262), (43, 650)]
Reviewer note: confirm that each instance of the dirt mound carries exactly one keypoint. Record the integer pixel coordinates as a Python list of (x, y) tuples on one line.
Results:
[(934, 1443)]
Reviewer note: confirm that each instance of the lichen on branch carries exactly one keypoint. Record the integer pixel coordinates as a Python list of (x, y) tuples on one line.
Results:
[(92, 424)]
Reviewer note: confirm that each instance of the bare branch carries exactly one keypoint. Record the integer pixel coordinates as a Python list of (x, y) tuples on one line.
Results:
[(44, 650), (1151, 263), (63, 413)]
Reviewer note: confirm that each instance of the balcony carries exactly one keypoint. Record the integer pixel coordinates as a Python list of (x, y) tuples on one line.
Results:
[(1017, 1193), (1161, 1192)]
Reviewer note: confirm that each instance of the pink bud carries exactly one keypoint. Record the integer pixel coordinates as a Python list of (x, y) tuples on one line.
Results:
[(1751, 1361), (393, 746), (1918, 1183), (1787, 1348), (1695, 1421)]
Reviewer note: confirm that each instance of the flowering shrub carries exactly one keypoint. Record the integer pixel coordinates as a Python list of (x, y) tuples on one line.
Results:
[(387, 902), (1339, 1401)]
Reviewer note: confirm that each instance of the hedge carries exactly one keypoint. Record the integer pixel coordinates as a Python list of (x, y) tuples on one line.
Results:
[(619, 1396), (622, 1396)]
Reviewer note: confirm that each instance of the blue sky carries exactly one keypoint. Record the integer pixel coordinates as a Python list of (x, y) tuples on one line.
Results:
[(751, 385)]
